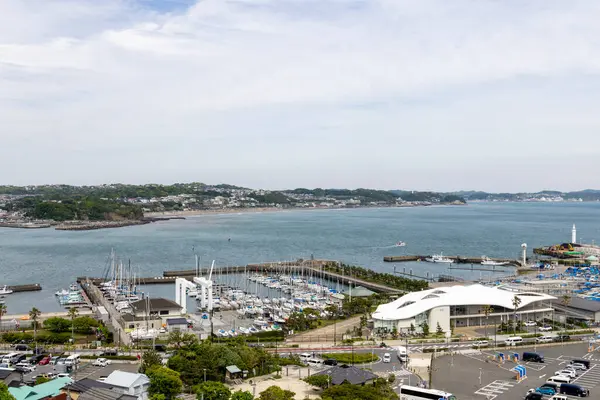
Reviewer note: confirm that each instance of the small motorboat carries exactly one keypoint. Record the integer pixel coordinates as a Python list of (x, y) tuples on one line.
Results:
[(5, 290), (400, 244)]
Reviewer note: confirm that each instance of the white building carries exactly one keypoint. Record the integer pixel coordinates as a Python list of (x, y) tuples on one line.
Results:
[(461, 306), (129, 383)]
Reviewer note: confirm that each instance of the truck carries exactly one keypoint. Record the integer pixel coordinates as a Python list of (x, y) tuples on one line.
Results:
[(402, 353)]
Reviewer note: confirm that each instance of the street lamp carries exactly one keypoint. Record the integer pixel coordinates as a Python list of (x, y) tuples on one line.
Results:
[(204, 369), (480, 376)]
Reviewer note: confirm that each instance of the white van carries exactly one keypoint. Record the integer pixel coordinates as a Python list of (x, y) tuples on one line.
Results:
[(559, 379), (544, 339), (73, 359), (513, 340), (10, 358), (305, 356)]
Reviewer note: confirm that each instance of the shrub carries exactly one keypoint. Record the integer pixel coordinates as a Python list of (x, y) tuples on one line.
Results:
[(350, 358)]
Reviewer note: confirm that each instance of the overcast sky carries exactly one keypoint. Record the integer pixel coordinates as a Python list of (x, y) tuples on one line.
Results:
[(421, 94)]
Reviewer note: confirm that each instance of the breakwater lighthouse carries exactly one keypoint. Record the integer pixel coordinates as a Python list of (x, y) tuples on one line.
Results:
[(574, 234)]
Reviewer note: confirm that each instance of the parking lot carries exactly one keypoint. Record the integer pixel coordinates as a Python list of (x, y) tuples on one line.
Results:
[(85, 370), (477, 375)]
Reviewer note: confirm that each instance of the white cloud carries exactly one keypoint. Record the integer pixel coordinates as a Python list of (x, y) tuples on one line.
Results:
[(282, 93)]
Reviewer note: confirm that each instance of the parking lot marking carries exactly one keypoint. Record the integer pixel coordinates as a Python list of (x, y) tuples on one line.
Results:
[(494, 389), (541, 376), (590, 378)]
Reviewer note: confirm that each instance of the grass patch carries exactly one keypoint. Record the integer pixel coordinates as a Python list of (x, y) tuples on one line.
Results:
[(350, 358)]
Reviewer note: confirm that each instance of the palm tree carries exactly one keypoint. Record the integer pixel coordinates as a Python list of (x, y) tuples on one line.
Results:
[(516, 303), (487, 310), (35, 314), (73, 314), (2, 312)]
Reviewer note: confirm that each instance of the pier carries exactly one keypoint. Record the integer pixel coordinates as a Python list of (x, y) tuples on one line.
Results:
[(33, 287)]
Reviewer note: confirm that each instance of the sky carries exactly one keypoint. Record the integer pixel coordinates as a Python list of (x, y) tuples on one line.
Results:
[(389, 94)]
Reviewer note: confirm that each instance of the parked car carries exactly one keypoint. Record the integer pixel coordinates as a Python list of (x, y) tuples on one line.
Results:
[(530, 323), (578, 366), (562, 338), (545, 328), (45, 360), (331, 362), (36, 359), (21, 347), (101, 362), (534, 396), (26, 367), (387, 358), (63, 375), (546, 390), (54, 360), (568, 372), (481, 343)]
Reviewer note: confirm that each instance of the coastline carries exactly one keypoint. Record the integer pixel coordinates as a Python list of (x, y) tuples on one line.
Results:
[(151, 217)]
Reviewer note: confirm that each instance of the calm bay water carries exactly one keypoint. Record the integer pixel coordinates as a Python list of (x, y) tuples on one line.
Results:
[(360, 236)]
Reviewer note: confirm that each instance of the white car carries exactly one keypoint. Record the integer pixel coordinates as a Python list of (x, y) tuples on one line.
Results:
[(101, 362), (387, 358), (25, 366), (578, 366), (544, 339), (480, 343), (567, 372), (545, 328), (530, 323)]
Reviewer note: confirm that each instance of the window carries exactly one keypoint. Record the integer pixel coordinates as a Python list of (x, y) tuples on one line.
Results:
[(164, 312), (408, 303), (430, 296)]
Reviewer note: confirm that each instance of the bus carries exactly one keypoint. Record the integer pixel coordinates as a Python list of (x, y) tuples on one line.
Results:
[(417, 393)]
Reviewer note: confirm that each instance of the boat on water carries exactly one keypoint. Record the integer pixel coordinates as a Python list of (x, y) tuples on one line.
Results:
[(5, 290), (439, 258), (488, 261), (400, 244)]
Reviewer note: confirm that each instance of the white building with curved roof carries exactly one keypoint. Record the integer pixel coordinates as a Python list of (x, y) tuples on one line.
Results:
[(461, 306)]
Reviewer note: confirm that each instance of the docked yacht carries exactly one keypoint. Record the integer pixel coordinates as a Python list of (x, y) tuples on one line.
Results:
[(439, 258), (488, 261), (5, 290)]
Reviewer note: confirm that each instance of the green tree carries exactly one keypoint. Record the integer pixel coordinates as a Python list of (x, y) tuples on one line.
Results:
[(150, 359), (35, 314), (164, 381), (158, 396), (276, 393), (2, 312), (211, 390), (73, 312), (425, 328), (487, 310), (346, 391), (4, 393), (411, 329), (321, 381), (41, 379), (56, 324), (516, 302), (438, 330), (239, 395)]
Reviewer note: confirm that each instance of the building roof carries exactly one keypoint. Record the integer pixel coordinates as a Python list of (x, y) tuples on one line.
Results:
[(177, 321), (580, 304), (5, 373), (358, 291), (233, 369), (124, 379), (155, 305), (105, 394), (415, 303), (83, 385), (38, 392), (348, 373)]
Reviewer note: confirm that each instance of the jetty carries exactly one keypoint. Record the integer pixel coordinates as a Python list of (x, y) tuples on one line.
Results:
[(457, 259), (33, 287)]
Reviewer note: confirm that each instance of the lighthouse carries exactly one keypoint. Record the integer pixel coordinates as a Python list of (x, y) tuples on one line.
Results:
[(574, 234)]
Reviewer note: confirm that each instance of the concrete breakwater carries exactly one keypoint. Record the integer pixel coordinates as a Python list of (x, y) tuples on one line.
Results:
[(92, 225), (457, 259), (33, 287)]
